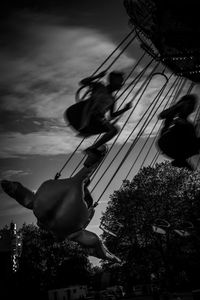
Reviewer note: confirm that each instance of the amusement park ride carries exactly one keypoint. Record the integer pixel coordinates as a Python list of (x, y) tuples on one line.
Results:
[(169, 35)]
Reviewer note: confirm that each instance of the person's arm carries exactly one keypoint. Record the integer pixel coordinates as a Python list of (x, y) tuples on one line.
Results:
[(93, 243), (165, 114), (114, 114), (89, 80)]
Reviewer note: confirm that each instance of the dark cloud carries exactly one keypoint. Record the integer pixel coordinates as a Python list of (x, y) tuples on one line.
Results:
[(49, 5), (19, 122), (102, 15), (45, 86), (16, 36), (73, 8)]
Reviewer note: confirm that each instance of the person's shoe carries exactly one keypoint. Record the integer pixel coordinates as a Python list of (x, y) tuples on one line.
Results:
[(95, 156), (113, 258)]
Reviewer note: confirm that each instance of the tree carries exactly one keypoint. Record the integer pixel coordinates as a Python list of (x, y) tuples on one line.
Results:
[(96, 277), (159, 193), (47, 264), (6, 263)]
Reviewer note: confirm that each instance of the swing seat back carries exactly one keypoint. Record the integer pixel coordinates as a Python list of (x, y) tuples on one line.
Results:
[(178, 140)]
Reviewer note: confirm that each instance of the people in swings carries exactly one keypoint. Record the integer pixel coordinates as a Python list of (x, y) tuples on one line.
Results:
[(95, 115), (65, 207), (178, 138)]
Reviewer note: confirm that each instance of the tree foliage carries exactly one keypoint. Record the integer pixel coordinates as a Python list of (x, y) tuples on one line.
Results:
[(47, 264), (165, 193)]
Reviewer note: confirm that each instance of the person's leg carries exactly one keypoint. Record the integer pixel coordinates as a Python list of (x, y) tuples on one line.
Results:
[(94, 158), (81, 179), (83, 174), (91, 163), (111, 131), (21, 194), (92, 242)]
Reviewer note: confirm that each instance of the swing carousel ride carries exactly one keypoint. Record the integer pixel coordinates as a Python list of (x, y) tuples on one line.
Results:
[(167, 34), (171, 56), (168, 68)]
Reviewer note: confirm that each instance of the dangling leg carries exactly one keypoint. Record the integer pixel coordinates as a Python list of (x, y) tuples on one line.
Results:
[(111, 131), (93, 243), (81, 179), (16, 190), (91, 163)]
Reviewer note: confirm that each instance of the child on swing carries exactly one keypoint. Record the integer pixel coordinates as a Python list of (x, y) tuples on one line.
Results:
[(185, 142), (102, 101)]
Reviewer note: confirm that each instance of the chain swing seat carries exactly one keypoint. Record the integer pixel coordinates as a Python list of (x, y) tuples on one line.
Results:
[(116, 226)]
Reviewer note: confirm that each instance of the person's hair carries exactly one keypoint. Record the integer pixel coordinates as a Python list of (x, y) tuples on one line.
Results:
[(176, 108), (115, 74), (190, 99)]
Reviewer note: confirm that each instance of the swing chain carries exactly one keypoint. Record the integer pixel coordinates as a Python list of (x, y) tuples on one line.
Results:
[(57, 176)]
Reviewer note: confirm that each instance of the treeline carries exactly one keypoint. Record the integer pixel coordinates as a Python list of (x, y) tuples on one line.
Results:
[(153, 225)]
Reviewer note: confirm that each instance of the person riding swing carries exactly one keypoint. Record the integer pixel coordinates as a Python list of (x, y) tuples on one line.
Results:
[(178, 139), (89, 117)]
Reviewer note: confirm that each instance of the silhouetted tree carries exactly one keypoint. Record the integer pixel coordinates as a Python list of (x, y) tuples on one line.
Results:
[(165, 193), (47, 264), (97, 272)]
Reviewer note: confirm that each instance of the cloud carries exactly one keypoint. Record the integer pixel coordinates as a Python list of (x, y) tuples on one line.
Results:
[(8, 174), (44, 80), (54, 137), (42, 83), (40, 80), (56, 140), (12, 211), (40, 143)]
